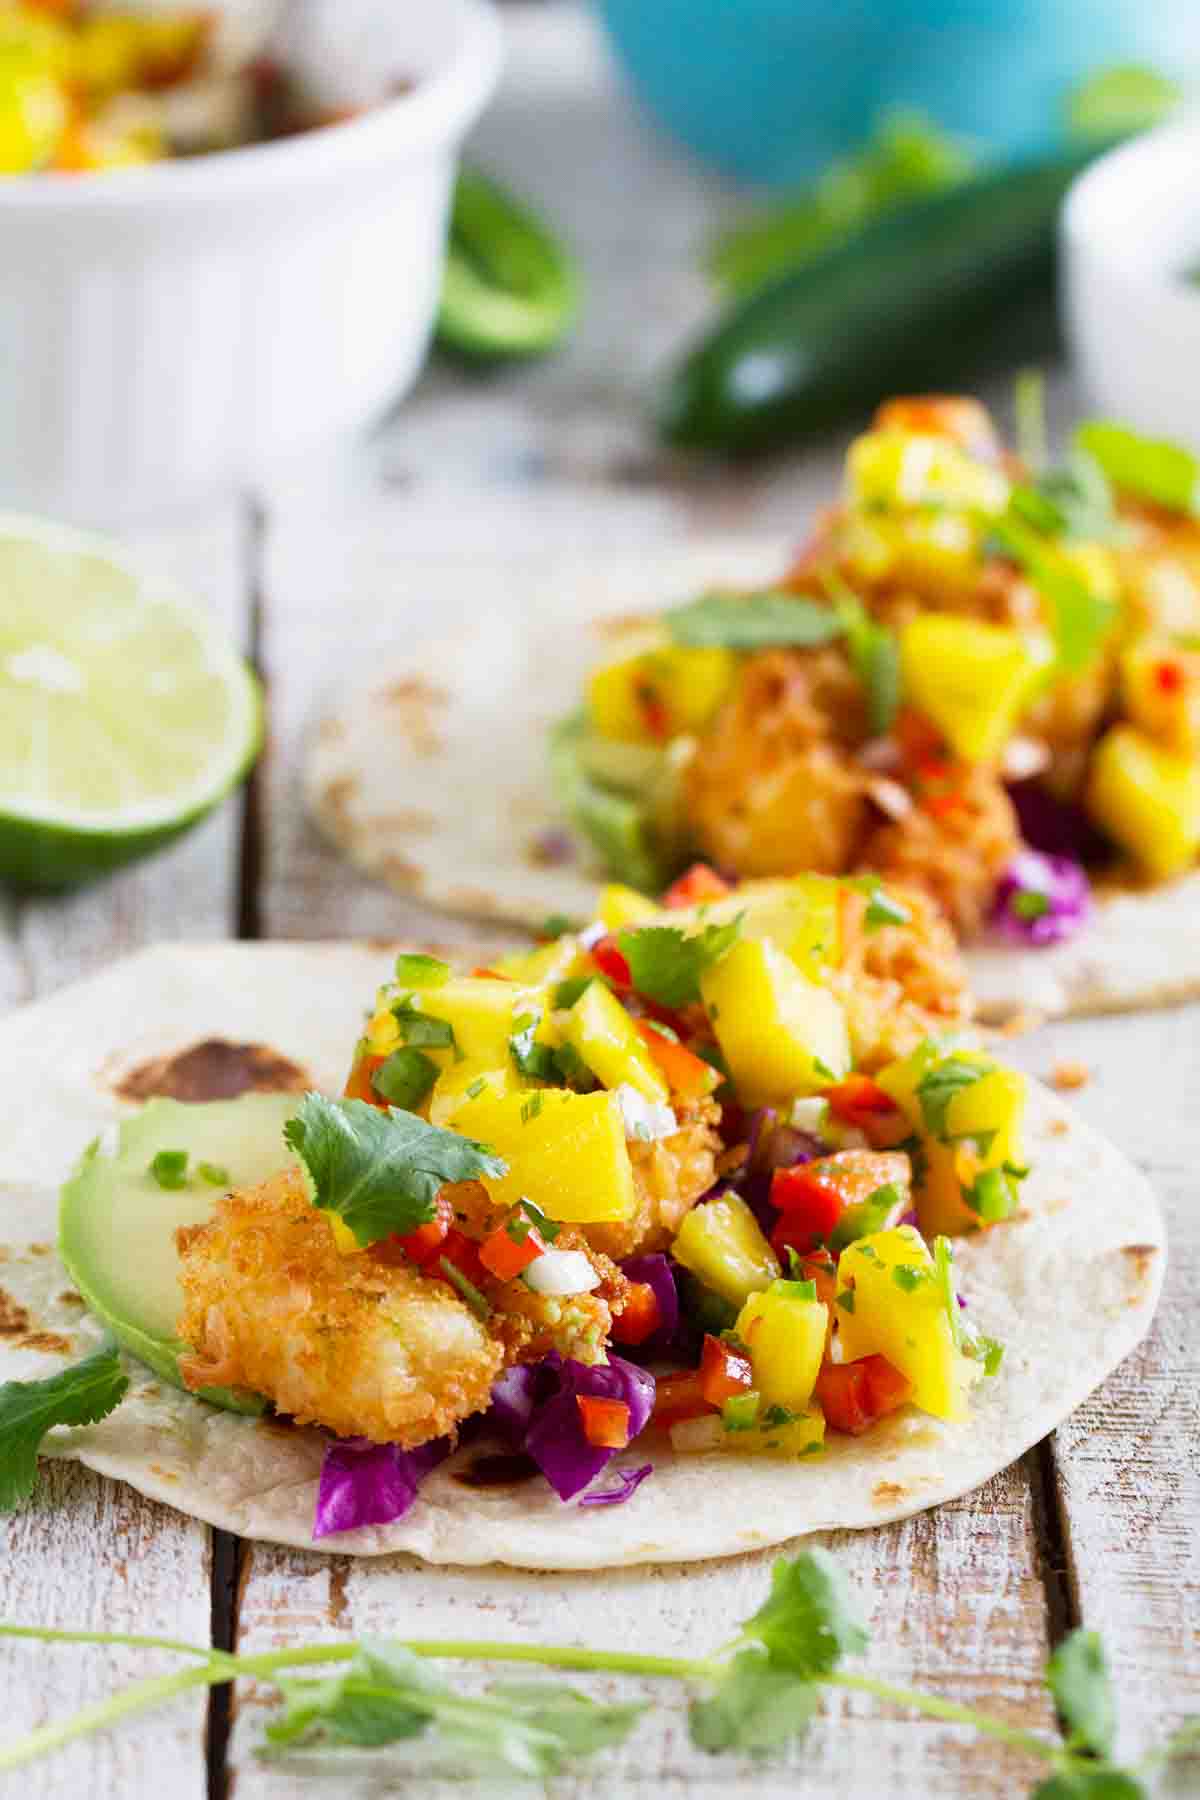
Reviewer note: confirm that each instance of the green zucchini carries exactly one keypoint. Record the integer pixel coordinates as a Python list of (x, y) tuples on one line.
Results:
[(915, 300), (510, 288)]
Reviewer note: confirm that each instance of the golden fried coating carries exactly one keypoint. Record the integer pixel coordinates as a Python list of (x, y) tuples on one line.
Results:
[(670, 1174), (900, 983), (772, 788), (364, 1348), (955, 855)]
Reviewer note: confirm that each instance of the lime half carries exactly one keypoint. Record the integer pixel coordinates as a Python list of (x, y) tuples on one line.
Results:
[(125, 714)]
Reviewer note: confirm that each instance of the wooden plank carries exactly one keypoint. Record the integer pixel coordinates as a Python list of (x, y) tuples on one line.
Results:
[(91, 1554), (953, 1599), (1128, 1462)]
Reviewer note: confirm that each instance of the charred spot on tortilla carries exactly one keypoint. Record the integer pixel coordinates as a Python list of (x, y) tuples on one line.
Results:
[(414, 701), (402, 874), (888, 1493), (14, 1318), (505, 1469), (338, 796), (214, 1069), (48, 1340), (70, 1298), (1141, 1256)]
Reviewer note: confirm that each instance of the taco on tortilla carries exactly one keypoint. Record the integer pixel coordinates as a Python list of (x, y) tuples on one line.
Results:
[(642, 1244), (978, 677)]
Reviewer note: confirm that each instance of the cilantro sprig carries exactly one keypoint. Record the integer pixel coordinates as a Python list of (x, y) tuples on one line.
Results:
[(379, 1172), (754, 621), (80, 1395), (665, 963), (757, 1697)]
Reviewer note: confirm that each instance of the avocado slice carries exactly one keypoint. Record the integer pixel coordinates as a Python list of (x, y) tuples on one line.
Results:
[(625, 801), (116, 1224)]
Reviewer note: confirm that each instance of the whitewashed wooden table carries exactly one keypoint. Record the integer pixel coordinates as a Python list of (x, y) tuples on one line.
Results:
[(1100, 1524)]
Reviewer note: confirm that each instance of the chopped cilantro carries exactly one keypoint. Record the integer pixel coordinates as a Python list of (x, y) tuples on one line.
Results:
[(883, 910), (874, 655), (571, 1071), (753, 621), (993, 1196), (909, 1278), (1082, 617), (213, 1174), (477, 1302), (169, 1168), (740, 1412), (405, 1079), (413, 971), (532, 1059), (823, 1069), (869, 1251), (938, 1086), (1027, 903), (567, 992), (986, 1350), (795, 1290), (531, 1108), (476, 1088), (556, 925), (421, 1028), (549, 1228), (666, 965), (845, 1300), (778, 1415)]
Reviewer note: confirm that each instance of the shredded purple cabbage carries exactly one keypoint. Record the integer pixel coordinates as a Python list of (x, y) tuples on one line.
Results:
[(656, 1270), (534, 1406), (370, 1484), (909, 1218), (1058, 827), (1041, 899), (629, 1481)]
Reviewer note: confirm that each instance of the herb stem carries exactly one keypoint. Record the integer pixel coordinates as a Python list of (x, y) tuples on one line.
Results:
[(934, 1707), (46, 1635), (107, 1712)]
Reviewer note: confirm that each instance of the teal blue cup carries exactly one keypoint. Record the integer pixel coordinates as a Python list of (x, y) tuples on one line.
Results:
[(768, 90)]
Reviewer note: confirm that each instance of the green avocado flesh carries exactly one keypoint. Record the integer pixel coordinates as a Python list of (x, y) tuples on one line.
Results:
[(117, 1225), (625, 800)]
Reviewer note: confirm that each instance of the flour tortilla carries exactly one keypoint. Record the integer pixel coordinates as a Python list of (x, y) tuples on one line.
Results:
[(1070, 1288), (431, 773)]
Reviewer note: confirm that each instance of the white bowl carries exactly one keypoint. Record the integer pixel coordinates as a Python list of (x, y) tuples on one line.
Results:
[(1130, 234), (171, 331)]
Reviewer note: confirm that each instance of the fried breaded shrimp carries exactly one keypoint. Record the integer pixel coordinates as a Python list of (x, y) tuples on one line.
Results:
[(901, 983), (771, 787), (957, 854), (670, 1175), (364, 1348)]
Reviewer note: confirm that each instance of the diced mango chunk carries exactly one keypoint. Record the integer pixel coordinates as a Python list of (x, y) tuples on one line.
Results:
[(782, 1035), (463, 1082), (660, 691), (773, 1431), (900, 1312), (482, 1013), (544, 967), (977, 1130), (1160, 688), (723, 1246), (785, 1336), (799, 914), (1147, 799), (566, 1152), (603, 1033), (973, 680), (893, 468)]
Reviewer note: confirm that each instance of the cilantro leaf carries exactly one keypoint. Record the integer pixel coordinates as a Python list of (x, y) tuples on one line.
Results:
[(80, 1395), (387, 1695), (380, 1172), (756, 1707), (532, 1059), (1078, 1679), (416, 971), (405, 1078), (808, 1621), (1082, 618), (938, 1086), (874, 656), (1151, 468), (666, 965), (754, 621)]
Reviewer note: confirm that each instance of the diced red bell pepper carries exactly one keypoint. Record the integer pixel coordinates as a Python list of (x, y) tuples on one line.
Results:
[(919, 740), (858, 1100), (818, 1267), (813, 1195), (463, 1252), (358, 1082), (656, 714), (696, 885), (808, 1213), (724, 1371), (640, 1317), (609, 958), (685, 1073), (512, 1247), (854, 1395), (419, 1246), (679, 1397), (490, 975), (605, 1422), (1168, 677)]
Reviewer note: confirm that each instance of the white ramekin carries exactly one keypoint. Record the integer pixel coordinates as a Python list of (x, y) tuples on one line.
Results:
[(1130, 234), (172, 331)]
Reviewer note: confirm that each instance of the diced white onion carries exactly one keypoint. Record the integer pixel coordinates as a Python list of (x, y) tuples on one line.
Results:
[(590, 936), (561, 1272), (811, 1115), (694, 1435), (646, 1120)]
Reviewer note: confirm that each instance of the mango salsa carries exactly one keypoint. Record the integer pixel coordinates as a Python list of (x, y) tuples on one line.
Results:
[(620, 906), (800, 915), (966, 1113), (899, 1311), (544, 967), (1147, 799), (465, 1081), (660, 691), (1160, 689), (566, 1152), (784, 1331), (892, 469), (971, 679), (782, 1035), (482, 1013), (603, 1033), (722, 1245)]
